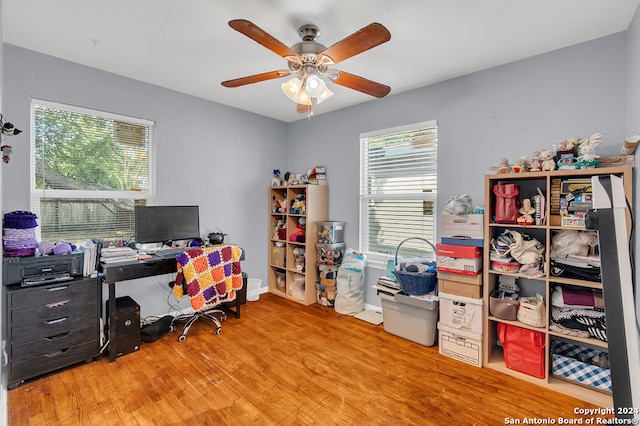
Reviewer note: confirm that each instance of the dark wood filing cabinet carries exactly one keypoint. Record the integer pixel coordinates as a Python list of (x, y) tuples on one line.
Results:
[(52, 326)]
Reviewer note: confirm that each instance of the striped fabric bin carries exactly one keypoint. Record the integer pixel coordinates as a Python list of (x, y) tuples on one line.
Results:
[(572, 362)]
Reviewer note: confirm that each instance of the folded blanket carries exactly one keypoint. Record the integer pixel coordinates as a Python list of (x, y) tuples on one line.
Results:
[(592, 321), (577, 298), (212, 275)]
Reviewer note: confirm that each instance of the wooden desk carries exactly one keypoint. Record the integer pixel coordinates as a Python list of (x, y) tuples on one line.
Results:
[(112, 274)]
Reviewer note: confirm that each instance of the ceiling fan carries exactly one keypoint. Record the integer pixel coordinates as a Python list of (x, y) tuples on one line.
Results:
[(310, 63)]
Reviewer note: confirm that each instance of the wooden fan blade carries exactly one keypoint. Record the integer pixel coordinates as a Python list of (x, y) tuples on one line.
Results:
[(260, 36), (255, 78), (364, 39), (362, 84), (304, 109)]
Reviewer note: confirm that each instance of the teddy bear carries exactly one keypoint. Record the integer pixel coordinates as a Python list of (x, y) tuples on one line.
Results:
[(548, 160)]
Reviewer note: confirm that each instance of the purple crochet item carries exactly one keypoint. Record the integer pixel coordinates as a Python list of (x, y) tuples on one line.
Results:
[(62, 248), (20, 220), (18, 252), (45, 247), (22, 243), (18, 234)]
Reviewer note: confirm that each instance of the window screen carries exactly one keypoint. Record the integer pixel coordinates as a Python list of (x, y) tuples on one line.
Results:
[(398, 188), (89, 168)]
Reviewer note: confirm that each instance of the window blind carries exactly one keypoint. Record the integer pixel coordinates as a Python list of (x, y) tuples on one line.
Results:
[(398, 190), (89, 168)]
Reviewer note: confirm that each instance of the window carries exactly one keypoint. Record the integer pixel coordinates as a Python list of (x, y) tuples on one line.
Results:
[(88, 170), (398, 188)]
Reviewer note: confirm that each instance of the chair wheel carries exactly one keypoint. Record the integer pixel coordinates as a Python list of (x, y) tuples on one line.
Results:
[(217, 330), (223, 317), (171, 327), (182, 338)]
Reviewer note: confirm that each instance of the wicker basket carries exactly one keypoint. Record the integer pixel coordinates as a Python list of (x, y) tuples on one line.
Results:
[(416, 283)]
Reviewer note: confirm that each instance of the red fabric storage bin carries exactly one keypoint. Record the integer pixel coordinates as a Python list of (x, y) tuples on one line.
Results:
[(523, 349)]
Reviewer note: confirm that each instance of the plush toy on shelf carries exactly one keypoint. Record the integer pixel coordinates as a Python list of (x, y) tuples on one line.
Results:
[(299, 233), (276, 181), (548, 160), (535, 165), (298, 258), (588, 159), (527, 211)]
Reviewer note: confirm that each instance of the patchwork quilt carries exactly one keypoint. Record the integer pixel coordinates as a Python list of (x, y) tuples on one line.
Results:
[(211, 275)]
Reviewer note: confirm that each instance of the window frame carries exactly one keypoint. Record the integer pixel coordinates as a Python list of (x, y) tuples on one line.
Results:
[(379, 259), (36, 194)]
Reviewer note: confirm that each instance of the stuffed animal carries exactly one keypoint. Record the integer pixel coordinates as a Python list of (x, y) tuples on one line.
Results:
[(276, 181), (6, 153), (588, 159), (535, 165), (548, 160), (299, 205), (527, 211), (521, 165), (298, 258), (503, 167), (279, 205)]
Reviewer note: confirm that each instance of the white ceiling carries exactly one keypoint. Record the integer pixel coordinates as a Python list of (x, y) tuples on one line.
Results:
[(187, 46)]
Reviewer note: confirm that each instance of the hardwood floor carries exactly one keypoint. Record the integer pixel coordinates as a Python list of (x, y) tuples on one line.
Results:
[(283, 364)]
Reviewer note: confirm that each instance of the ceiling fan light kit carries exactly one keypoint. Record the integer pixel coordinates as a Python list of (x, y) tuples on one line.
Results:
[(309, 61)]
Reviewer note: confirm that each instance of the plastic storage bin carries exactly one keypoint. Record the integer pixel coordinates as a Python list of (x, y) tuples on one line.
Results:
[(330, 232), (326, 294), (410, 318), (330, 254)]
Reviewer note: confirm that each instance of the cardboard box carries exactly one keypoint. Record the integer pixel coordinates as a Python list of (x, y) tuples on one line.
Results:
[(456, 288), (454, 250), (476, 242), (461, 345), (461, 278), (469, 226), (460, 265), (278, 255), (461, 313)]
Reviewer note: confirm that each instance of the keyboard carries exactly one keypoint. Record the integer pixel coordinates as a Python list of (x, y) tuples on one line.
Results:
[(171, 252)]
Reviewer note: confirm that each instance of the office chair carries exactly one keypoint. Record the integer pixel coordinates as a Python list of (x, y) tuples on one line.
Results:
[(210, 276)]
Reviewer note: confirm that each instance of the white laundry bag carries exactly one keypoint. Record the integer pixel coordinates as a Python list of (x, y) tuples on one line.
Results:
[(350, 284)]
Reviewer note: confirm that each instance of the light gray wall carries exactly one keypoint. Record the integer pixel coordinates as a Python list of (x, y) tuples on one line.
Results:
[(207, 154), (507, 111)]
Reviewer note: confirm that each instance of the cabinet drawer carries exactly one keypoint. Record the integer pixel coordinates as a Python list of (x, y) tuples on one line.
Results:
[(35, 296), (56, 311), (51, 361), (52, 344), (50, 328)]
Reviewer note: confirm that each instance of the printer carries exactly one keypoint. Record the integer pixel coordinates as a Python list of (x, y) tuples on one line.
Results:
[(39, 270)]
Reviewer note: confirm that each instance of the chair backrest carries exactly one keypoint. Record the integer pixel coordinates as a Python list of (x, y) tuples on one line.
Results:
[(212, 274)]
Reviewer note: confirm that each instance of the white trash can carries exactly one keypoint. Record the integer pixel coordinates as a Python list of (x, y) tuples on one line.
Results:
[(253, 289)]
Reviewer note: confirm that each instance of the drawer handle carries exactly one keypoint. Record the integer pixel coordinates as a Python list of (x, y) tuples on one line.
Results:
[(57, 336), (57, 320), (59, 288), (55, 354), (58, 304)]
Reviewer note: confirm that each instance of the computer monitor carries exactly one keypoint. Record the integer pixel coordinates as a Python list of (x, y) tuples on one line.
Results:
[(162, 224)]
